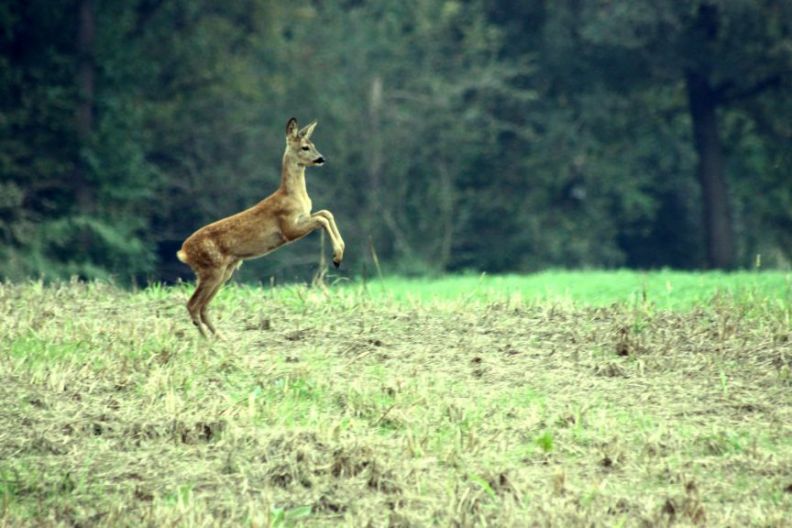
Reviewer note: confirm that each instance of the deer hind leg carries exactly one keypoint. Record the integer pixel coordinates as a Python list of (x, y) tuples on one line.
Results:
[(208, 286), (207, 276), (222, 279), (194, 304)]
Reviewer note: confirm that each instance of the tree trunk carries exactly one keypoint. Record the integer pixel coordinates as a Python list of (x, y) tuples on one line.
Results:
[(716, 210), (374, 134), (446, 213), (86, 71)]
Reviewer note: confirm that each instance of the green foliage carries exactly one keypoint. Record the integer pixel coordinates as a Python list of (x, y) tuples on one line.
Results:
[(488, 136), (641, 53), (545, 441), (282, 518)]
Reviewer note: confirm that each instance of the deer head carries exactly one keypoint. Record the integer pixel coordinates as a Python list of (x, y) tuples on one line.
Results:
[(299, 145)]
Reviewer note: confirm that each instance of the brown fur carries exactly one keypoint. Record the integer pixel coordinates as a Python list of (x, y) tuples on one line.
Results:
[(215, 251)]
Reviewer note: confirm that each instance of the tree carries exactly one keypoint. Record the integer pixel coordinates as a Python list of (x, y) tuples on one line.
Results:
[(722, 53), (405, 92), (485, 135)]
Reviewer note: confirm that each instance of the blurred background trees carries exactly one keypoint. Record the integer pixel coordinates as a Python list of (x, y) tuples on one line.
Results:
[(480, 135)]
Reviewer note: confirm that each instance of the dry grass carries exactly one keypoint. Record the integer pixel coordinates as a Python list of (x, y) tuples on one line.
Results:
[(329, 408)]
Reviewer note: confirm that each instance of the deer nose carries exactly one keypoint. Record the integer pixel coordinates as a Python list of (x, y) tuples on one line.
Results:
[(319, 161)]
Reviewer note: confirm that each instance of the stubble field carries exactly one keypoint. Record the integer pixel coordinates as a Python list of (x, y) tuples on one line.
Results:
[(388, 405)]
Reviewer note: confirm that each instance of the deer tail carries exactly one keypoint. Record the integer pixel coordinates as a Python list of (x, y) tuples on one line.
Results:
[(181, 255)]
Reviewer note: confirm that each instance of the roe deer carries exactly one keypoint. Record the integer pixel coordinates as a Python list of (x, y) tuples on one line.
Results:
[(215, 251)]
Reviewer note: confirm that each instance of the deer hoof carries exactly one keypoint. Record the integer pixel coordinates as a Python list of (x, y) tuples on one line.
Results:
[(336, 263)]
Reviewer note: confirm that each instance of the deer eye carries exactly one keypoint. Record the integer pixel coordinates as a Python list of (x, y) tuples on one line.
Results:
[(306, 148)]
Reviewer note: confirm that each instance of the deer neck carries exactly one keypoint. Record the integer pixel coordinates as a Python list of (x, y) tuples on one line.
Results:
[(293, 177)]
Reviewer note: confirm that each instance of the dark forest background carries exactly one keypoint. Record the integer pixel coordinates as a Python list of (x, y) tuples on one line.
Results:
[(487, 135)]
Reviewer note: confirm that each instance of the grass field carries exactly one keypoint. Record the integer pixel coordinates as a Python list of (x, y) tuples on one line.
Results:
[(663, 289), (558, 399)]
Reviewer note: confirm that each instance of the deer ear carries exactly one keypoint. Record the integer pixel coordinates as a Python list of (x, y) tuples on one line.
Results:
[(291, 128), (308, 130)]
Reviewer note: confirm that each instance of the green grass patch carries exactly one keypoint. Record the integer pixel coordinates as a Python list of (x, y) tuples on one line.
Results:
[(664, 289)]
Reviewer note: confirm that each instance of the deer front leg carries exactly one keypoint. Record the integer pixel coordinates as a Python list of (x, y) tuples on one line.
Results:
[(335, 236), (297, 229)]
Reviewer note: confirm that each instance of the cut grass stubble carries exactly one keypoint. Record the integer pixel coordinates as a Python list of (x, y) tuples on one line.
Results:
[(348, 407)]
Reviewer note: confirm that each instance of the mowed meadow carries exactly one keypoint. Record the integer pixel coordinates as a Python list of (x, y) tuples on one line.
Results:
[(556, 399)]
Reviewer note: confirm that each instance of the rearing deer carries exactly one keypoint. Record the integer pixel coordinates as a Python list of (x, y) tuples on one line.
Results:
[(215, 251)]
